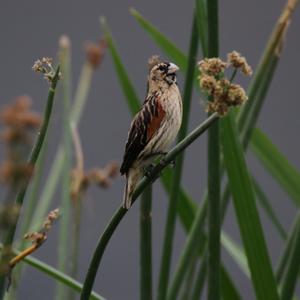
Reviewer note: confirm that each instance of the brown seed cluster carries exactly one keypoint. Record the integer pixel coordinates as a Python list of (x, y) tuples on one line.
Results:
[(239, 62), (222, 92), (20, 123), (45, 66), (212, 66), (8, 214), (95, 52), (81, 180), (38, 237)]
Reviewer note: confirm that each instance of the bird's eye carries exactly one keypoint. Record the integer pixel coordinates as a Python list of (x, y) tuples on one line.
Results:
[(162, 68)]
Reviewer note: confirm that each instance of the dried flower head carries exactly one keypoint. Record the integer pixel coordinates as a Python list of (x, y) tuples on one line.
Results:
[(79, 183), (95, 52), (102, 177), (19, 115), (20, 124), (38, 237), (45, 66), (239, 62), (236, 95), (8, 214), (212, 66), (50, 219), (208, 83), (64, 42), (223, 93)]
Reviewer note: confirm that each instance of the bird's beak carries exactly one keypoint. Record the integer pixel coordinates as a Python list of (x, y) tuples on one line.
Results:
[(172, 68)]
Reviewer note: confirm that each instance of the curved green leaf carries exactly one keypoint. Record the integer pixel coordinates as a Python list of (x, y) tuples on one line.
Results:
[(287, 176), (165, 44), (247, 215)]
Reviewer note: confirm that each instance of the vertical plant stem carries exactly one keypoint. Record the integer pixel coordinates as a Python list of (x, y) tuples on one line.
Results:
[(63, 239), (146, 245), (214, 223), (201, 11), (81, 96), (171, 215), (293, 265), (32, 161)]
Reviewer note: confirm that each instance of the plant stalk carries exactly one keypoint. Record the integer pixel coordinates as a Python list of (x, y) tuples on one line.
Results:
[(146, 245), (63, 238), (214, 176), (172, 208)]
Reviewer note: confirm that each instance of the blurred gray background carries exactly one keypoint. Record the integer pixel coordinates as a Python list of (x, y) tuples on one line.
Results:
[(31, 29)]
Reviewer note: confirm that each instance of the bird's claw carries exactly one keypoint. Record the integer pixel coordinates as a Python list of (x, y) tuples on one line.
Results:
[(148, 171)]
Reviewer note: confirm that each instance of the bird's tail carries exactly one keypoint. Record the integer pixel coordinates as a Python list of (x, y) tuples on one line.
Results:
[(132, 178)]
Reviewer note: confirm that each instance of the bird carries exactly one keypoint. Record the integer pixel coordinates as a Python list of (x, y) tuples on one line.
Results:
[(154, 127)]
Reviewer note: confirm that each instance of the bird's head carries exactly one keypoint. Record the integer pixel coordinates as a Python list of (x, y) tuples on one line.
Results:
[(162, 74)]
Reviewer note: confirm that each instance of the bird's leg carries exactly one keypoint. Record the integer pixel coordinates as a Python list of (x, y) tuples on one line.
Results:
[(148, 171)]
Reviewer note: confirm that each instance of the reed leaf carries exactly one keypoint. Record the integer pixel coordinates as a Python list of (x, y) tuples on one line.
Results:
[(246, 212)]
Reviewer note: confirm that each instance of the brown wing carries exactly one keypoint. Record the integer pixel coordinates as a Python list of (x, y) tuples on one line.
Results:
[(143, 127)]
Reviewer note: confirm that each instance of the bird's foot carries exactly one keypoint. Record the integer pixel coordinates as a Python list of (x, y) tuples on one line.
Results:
[(173, 163), (148, 171)]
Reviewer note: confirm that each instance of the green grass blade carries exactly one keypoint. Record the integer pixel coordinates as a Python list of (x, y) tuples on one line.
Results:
[(228, 290), (127, 87), (201, 12), (59, 276), (146, 245), (293, 265), (165, 44), (277, 164), (247, 215), (263, 201), (283, 260), (235, 252), (55, 274), (200, 279)]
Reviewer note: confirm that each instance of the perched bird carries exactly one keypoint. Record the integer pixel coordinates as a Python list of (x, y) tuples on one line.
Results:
[(154, 127)]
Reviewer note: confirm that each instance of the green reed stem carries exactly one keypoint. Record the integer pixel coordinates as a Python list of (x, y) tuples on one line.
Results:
[(146, 245), (214, 178), (53, 178), (172, 208), (64, 224), (31, 161), (55, 274), (120, 213)]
